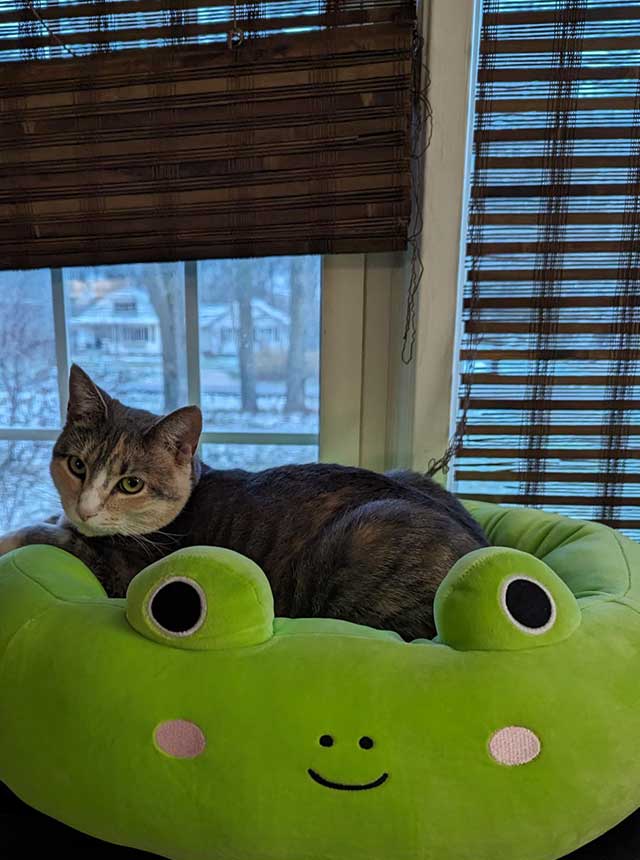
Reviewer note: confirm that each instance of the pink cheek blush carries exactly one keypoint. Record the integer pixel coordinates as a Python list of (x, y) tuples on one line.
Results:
[(180, 738), (514, 745)]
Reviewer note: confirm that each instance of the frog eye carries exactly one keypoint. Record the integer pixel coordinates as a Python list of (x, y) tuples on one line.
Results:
[(502, 599), (202, 598), (528, 604), (178, 606)]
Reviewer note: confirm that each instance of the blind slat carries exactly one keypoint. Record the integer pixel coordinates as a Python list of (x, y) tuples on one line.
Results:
[(533, 301), (518, 134), (218, 173), (513, 219), (546, 453), (616, 246), (508, 475), (358, 190), (531, 16), (514, 327), (554, 381), (540, 403), (569, 104), (563, 189), (540, 73), (544, 499), (569, 45), (555, 429), (536, 162), (553, 274), (548, 354)]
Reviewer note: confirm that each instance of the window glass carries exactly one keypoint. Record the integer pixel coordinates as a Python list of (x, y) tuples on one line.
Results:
[(28, 378), (27, 493), (260, 344), (253, 458), (127, 330)]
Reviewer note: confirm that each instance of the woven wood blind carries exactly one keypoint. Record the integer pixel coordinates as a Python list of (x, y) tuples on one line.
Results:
[(180, 130), (551, 350)]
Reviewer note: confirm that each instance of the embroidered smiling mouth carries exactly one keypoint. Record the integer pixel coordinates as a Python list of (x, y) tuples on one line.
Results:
[(339, 786)]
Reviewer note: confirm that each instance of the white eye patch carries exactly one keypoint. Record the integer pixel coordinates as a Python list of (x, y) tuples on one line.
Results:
[(514, 746)]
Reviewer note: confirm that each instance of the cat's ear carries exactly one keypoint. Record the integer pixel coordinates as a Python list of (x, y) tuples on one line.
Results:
[(181, 431), (86, 400)]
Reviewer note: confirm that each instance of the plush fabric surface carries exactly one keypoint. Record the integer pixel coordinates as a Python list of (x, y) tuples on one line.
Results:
[(498, 740)]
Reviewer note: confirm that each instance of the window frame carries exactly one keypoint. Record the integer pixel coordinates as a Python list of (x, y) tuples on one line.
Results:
[(192, 322), (355, 299), (451, 33)]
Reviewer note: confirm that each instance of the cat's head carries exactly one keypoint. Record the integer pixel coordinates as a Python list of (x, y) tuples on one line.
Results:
[(120, 470)]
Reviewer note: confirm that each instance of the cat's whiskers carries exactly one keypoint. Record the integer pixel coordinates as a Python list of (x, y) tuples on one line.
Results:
[(152, 546), (147, 545)]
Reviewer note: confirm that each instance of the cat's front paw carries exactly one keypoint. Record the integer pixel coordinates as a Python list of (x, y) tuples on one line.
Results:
[(39, 533), (13, 540)]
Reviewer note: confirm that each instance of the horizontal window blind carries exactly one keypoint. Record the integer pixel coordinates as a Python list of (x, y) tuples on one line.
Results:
[(157, 130), (46, 29), (550, 391)]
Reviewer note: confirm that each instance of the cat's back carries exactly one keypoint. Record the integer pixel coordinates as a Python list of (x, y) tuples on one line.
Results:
[(312, 482), (339, 541), (306, 496)]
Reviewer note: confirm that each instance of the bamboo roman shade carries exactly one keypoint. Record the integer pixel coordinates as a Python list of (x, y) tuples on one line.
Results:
[(550, 395), (156, 130)]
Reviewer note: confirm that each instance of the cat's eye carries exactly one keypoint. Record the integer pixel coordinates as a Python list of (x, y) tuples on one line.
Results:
[(130, 485), (76, 467)]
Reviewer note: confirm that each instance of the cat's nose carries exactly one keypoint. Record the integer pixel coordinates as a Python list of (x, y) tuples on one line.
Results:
[(85, 512), (89, 504)]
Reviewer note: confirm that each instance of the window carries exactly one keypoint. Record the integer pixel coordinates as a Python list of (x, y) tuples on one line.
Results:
[(135, 334), (550, 359), (124, 306), (157, 337)]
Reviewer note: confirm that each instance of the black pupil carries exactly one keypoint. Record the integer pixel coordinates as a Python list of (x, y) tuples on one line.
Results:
[(176, 607), (528, 604), (366, 743), (326, 741)]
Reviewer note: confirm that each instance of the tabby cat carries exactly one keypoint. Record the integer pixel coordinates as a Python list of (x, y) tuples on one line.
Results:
[(334, 541)]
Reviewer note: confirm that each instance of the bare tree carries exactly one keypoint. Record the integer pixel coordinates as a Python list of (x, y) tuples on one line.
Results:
[(246, 358), (28, 398), (163, 285), (298, 303), (25, 493)]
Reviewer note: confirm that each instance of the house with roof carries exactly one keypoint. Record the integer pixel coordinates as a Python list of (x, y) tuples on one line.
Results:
[(120, 322), (220, 328), (124, 321)]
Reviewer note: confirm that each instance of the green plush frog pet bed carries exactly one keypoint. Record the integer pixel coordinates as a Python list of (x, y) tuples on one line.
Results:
[(185, 721)]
